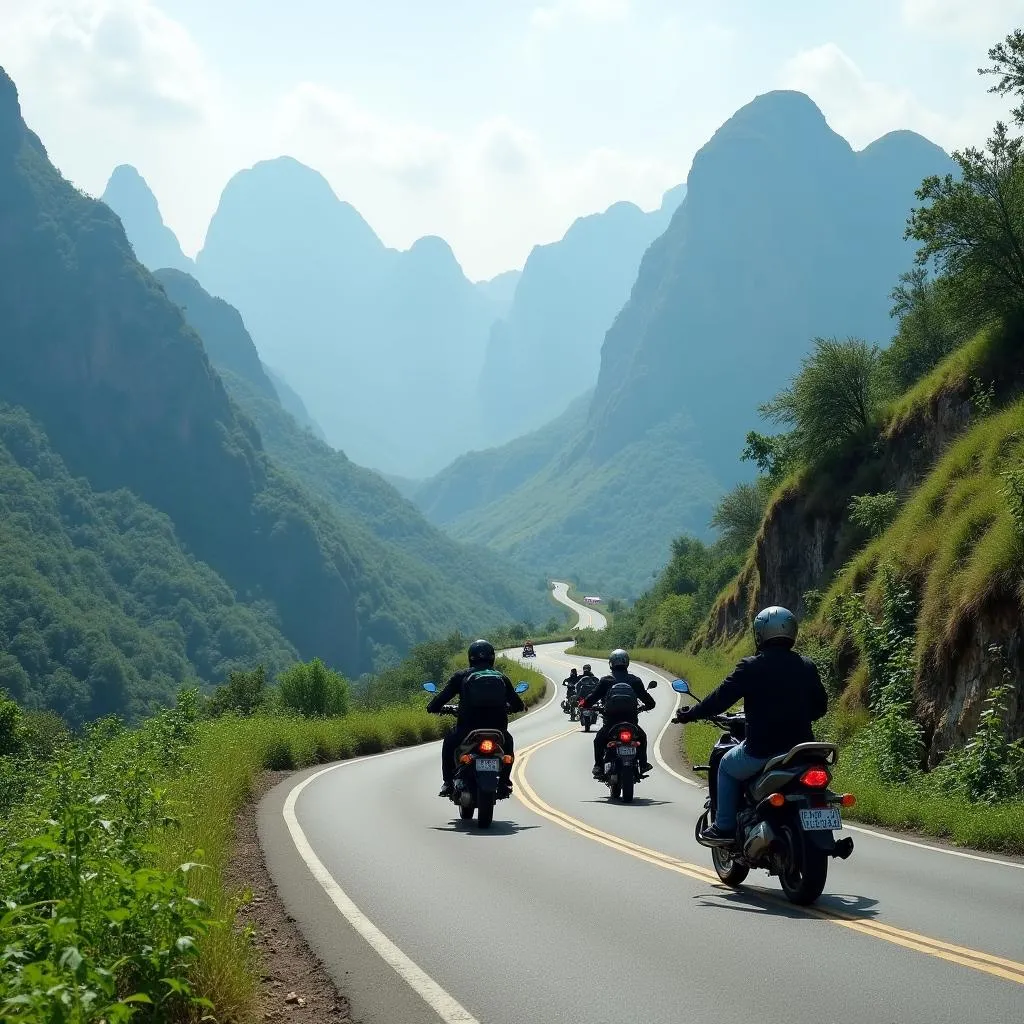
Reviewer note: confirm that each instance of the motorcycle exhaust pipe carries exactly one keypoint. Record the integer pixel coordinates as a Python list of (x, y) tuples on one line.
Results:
[(844, 847), (759, 840)]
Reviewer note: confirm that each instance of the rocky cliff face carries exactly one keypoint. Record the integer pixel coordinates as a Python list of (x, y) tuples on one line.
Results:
[(806, 537)]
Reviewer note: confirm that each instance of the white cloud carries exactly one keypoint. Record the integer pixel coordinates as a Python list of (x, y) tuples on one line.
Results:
[(861, 109), (985, 20), (493, 192), (121, 56), (562, 12)]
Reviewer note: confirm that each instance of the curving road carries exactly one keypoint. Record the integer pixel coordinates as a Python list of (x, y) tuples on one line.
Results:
[(587, 616), (572, 909)]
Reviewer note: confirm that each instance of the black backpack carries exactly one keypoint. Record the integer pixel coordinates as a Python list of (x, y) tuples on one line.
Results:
[(484, 690), (620, 699)]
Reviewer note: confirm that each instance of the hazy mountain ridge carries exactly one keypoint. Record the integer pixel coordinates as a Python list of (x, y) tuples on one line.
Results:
[(785, 233), (546, 350)]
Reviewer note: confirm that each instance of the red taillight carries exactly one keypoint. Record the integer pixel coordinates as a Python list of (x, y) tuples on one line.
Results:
[(486, 746), (625, 735), (815, 778)]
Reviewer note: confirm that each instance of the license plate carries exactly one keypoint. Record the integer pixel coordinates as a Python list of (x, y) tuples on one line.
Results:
[(815, 819), (627, 752), (486, 764)]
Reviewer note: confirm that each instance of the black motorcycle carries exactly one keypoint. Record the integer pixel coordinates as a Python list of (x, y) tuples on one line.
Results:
[(622, 758), (482, 768), (786, 818), (570, 705)]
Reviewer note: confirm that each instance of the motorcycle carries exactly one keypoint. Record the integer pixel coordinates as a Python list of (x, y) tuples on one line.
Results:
[(621, 768), (588, 718), (571, 706), (482, 768), (786, 818)]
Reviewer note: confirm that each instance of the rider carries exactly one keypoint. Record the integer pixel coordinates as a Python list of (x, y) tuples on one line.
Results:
[(570, 682), (587, 683), (486, 696), (620, 690), (782, 695)]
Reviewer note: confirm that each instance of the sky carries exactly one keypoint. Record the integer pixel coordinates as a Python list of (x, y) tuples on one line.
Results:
[(492, 123)]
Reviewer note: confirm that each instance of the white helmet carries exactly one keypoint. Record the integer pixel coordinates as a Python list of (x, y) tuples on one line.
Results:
[(774, 623)]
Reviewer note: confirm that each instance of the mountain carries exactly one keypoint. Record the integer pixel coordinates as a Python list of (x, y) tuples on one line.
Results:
[(479, 586), (104, 363), (501, 290), (548, 347), (785, 233), (379, 343), (292, 403), (155, 245)]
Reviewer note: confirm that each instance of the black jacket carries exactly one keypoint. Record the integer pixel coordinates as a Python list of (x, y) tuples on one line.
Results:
[(619, 675), (496, 719), (782, 695)]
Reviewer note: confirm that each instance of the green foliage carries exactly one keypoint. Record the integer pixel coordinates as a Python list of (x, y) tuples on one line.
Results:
[(739, 514), (244, 693), (972, 226), (874, 512), (12, 727), (313, 690), (833, 400), (102, 608), (775, 456), (931, 325), (990, 768)]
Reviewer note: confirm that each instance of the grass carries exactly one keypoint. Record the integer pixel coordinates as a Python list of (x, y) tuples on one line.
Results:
[(147, 801), (955, 538), (916, 806)]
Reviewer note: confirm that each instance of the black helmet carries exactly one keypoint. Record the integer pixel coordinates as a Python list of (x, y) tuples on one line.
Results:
[(586, 669), (481, 654), (618, 659), (573, 671)]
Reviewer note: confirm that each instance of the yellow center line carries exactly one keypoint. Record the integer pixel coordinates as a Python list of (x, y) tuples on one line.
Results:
[(987, 963)]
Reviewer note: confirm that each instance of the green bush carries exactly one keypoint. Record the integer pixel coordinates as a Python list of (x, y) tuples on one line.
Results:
[(313, 690), (244, 693)]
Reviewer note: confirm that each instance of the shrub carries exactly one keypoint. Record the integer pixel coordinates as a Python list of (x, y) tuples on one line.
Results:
[(873, 513), (243, 694), (313, 690)]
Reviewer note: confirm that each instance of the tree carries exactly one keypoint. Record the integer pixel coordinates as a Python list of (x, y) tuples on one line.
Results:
[(773, 455), (972, 226), (833, 399), (313, 690), (1008, 66), (740, 512)]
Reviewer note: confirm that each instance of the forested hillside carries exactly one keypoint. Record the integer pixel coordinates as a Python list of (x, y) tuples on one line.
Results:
[(462, 586), (106, 367)]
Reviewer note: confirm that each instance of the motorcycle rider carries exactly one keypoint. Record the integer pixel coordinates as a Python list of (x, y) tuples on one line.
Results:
[(782, 696), (570, 683), (486, 696), (620, 690), (587, 683)]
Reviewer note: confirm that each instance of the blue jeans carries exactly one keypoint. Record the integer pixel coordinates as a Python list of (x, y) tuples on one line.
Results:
[(733, 770)]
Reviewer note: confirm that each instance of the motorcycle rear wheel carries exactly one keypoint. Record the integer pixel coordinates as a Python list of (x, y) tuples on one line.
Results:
[(627, 791), (485, 812), (803, 878), (586, 727)]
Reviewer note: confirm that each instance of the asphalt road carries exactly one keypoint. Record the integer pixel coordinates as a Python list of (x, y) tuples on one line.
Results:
[(572, 909), (588, 616)]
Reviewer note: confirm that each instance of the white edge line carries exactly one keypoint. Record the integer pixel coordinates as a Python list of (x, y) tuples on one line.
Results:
[(446, 1006), (449, 1009)]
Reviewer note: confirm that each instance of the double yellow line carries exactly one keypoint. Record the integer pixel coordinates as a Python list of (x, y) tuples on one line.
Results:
[(998, 967)]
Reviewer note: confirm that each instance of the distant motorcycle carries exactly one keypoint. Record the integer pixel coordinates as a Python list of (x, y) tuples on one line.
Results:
[(528, 651), (588, 718), (570, 707), (787, 815), (621, 759), (482, 768)]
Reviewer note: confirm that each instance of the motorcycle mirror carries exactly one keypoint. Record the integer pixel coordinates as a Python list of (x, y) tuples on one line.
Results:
[(522, 687), (680, 686), (652, 684), (430, 687)]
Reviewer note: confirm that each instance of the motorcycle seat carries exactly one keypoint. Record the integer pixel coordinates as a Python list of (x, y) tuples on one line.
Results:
[(827, 752)]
